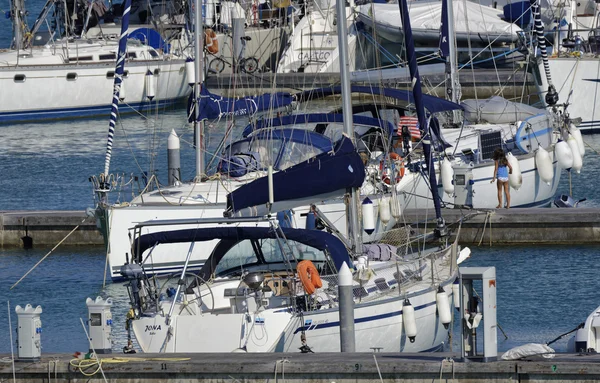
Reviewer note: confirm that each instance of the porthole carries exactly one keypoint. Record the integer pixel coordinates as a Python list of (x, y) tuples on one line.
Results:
[(19, 78), (111, 74), (156, 71), (71, 76)]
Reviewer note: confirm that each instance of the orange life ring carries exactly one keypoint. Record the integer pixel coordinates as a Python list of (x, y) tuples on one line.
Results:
[(211, 42), (385, 176), (309, 276)]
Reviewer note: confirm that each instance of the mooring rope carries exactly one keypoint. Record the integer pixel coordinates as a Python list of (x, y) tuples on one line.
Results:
[(47, 254)]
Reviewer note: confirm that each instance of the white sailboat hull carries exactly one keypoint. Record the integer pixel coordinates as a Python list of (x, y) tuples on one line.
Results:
[(577, 79), (42, 90), (208, 202), (377, 325), (480, 193)]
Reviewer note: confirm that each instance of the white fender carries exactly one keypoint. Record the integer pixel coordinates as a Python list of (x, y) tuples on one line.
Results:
[(515, 179), (395, 206), (563, 154), (150, 86), (544, 165), (576, 133), (447, 176), (190, 71), (409, 320), (368, 212), (384, 210), (577, 160), (456, 293), (122, 92), (443, 307)]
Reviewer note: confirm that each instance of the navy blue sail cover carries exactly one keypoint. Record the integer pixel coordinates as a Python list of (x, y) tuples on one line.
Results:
[(213, 106), (315, 118), (231, 235), (323, 174), (432, 104), (444, 34)]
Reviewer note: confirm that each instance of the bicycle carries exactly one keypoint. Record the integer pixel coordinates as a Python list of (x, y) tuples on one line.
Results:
[(217, 64)]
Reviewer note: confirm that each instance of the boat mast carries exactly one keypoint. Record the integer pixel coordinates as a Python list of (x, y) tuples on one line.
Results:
[(119, 69), (354, 231), (18, 19), (199, 69), (448, 50), (441, 229)]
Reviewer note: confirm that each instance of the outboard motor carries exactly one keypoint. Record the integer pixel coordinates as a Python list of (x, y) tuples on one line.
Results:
[(134, 273), (551, 96), (564, 200)]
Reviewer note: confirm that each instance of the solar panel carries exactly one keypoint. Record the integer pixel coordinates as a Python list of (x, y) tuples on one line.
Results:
[(489, 142)]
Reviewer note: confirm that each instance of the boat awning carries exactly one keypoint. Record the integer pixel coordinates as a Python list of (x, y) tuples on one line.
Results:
[(229, 236), (432, 104)]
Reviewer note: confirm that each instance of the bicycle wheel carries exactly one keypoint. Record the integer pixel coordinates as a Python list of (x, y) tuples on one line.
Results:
[(249, 65), (217, 65)]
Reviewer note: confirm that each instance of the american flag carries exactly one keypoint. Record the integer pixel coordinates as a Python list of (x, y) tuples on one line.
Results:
[(413, 126)]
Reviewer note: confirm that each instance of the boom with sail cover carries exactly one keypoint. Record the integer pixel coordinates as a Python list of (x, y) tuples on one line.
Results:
[(212, 106), (325, 176)]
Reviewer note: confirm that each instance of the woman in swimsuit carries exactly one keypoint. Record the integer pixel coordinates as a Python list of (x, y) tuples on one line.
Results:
[(501, 171)]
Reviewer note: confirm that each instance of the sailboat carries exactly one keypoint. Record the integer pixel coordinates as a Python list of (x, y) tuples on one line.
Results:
[(573, 63), (204, 197), (274, 289), (535, 141), (71, 74)]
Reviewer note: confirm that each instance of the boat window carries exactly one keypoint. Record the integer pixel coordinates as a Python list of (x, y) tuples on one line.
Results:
[(153, 53), (111, 74), (243, 255), (239, 255), (19, 78), (71, 76), (156, 72), (268, 151), (109, 56), (82, 58), (294, 153), (131, 55), (272, 251)]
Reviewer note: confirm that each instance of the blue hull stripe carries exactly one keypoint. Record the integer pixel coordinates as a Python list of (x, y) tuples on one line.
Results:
[(82, 112), (590, 127), (361, 320)]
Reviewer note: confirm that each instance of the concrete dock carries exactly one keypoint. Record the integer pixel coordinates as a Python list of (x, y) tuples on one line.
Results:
[(565, 226), (296, 367)]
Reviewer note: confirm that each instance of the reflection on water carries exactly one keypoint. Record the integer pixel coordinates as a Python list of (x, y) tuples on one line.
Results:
[(542, 292)]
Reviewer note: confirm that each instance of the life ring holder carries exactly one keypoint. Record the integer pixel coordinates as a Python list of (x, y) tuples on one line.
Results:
[(385, 171), (211, 42), (309, 276)]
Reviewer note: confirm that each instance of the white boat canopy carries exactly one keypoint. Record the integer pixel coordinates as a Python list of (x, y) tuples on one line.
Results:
[(425, 17)]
